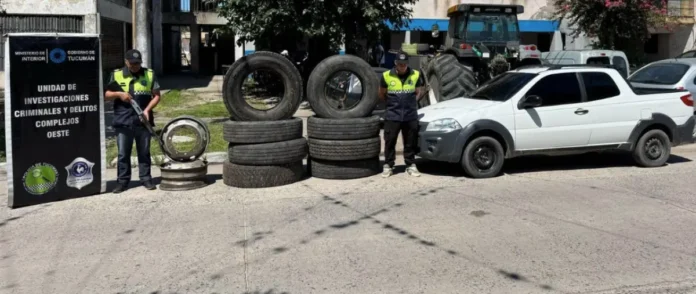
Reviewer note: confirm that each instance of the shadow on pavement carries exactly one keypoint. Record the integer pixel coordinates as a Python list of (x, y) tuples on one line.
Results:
[(546, 163), (370, 219), (575, 162)]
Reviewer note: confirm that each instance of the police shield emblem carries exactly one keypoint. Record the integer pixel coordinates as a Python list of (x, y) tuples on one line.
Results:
[(143, 82), (79, 173)]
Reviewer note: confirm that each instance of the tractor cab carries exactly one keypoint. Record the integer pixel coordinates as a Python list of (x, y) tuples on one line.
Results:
[(486, 38)]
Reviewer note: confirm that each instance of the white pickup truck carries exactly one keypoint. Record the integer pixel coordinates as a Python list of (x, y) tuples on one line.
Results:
[(555, 110)]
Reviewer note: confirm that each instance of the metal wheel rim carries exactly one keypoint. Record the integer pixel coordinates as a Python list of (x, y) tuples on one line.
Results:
[(202, 136), (483, 157), (654, 148)]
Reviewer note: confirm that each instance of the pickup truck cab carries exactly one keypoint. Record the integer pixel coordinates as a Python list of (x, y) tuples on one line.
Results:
[(555, 110)]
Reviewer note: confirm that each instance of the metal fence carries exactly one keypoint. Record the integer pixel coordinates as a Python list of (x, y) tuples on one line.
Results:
[(36, 23)]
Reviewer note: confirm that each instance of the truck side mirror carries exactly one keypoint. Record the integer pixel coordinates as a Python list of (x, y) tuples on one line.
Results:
[(530, 101)]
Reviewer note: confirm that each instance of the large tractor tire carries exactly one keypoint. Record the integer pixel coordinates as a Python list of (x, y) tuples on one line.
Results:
[(449, 79)]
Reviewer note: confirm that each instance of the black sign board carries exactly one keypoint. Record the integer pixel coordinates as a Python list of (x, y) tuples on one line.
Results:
[(54, 118)]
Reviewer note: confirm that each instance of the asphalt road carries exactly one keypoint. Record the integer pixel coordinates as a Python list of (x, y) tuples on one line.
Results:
[(582, 224)]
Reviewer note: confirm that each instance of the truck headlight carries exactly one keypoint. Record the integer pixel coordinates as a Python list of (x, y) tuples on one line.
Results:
[(443, 125)]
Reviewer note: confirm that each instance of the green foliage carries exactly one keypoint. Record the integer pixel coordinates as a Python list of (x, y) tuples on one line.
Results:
[(280, 23), (617, 24)]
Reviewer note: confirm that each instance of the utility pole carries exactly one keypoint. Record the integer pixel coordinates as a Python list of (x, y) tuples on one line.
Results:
[(141, 32)]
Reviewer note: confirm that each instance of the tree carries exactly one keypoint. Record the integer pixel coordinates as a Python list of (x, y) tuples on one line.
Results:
[(278, 24), (617, 24)]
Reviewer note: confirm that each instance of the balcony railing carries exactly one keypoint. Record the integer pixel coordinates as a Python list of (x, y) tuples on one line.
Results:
[(681, 8), (190, 5)]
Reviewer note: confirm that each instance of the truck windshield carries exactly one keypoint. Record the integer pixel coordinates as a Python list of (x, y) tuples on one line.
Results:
[(489, 27), (502, 87), (660, 74)]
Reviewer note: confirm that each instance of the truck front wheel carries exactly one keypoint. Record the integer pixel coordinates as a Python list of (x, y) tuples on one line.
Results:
[(483, 157)]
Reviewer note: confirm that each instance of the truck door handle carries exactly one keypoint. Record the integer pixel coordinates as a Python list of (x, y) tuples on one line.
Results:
[(581, 111)]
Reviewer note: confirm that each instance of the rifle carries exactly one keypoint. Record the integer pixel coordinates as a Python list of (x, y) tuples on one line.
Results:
[(146, 123)]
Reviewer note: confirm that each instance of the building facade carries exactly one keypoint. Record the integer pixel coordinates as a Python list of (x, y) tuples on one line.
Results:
[(185, 34), (537, 27), (111, 18)]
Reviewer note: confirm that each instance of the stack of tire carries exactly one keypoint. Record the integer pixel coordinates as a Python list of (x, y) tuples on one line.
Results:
[(266, 147), (343, 143)]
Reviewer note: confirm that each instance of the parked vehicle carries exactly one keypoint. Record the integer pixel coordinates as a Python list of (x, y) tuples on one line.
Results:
[(555, 110), (482, 42), (667, 74), (687, 54), (616, 59)]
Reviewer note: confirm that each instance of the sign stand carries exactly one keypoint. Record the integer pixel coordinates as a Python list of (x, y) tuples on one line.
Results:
[(54, 117)]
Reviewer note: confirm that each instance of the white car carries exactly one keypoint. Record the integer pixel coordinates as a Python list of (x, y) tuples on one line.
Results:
[(555, 110)]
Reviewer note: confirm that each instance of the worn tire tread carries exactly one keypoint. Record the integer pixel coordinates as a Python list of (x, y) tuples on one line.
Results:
[(343, 150), (254, 132), (264, 176), (343, 129), (268, 153)]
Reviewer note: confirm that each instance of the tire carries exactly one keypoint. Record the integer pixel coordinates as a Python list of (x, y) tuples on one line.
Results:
[(344, 170), (434, 87), (328, 67), (653, 149), (268, 153), (345, 150), (495, 152), (342, 129), (255, 132), (453, 78), (264, 176), (381, 105), (234, 100)]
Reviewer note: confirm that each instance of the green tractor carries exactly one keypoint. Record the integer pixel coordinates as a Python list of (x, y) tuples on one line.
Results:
[(483, 41)]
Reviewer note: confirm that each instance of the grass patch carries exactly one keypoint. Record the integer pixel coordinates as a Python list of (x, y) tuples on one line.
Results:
[(216, 144), (181, 102), (211, 109)]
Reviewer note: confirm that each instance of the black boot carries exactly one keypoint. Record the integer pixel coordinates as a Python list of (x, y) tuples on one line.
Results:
[(120, 187)]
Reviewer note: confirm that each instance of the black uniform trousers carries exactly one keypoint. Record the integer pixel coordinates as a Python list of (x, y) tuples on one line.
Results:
[(409, 133)]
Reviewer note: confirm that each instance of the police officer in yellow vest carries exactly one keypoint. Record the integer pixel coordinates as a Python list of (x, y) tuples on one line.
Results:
[(140, 84), (401, 87)]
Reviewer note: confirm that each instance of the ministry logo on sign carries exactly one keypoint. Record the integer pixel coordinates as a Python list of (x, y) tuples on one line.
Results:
[(79, 173), (57, 55), (40, 178)]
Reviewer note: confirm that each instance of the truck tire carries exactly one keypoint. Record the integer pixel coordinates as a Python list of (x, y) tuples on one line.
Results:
[(249, 176), (345, 150), (327, 68), (234, 99), (381, 105), (451, 78), (342, 129), (255, 132), (344, 170), (268, 153), (483, 157), (652, 149)]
